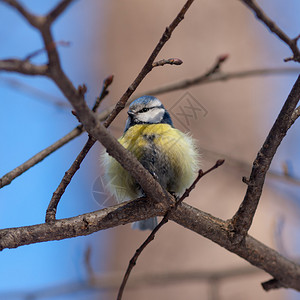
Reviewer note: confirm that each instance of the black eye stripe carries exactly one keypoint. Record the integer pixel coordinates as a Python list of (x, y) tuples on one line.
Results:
[(145, 109)]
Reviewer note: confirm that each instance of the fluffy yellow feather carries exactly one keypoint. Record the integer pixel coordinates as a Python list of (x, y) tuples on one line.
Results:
[(167, 153), (178, 148)]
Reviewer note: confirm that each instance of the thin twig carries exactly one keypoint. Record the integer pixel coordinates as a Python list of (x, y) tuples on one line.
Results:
[(244, 166), (148, 66), (39, 51), (92, 124), (217, 230), (57, 11), (22, 67), (165, 219), (185, 215), (77, 131), (52, 207), (10, 176), (202, 79), (106, 83), (242, 219), (260, 14), (33, 20), (217, 77)]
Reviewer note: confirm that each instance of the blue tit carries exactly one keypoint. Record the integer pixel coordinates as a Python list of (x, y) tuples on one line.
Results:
[(167, 153)]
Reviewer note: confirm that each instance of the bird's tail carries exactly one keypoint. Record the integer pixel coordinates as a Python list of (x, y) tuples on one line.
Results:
[(148, 224)]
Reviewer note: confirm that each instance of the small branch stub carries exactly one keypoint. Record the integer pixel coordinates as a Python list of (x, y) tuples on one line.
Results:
[(170, 61)]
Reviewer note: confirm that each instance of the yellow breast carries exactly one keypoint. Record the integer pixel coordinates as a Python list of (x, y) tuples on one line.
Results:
[(176, 150)]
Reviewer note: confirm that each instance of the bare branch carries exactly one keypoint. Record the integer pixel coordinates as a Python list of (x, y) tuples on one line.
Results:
[(53, 57), (39, 51), (165, 219), (202, 79), (256, 253), (88, 118), (85, 224), (216, 77), (51, 210), (242, 220), (43, 23), (23, 67), (98, 131), (287, 272), (292, 43), (148, 66), (35, 21), (245, 166), (206, 77), (106, 83), (57, 11), (9, 177)]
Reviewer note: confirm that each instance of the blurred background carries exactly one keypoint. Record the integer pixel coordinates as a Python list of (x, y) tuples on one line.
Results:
[(235, 116)]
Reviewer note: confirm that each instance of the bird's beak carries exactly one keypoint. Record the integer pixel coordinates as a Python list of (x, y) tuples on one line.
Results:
[(130, 114)]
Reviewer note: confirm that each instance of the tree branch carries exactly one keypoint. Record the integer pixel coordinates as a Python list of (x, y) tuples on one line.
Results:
[(57, 11), (88, 118), (202, 79), (256, 253), (217, 77), (259, 255), (35, 21), (242, 220), (148, 66), (23, 67), (51, 210), (9, 177), (157, 203), (165, 219), (292, 43), (98, 131)]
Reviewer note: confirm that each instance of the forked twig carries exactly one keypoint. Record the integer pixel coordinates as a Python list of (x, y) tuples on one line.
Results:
[(165, 219), (51, 210), (207, 77), (260, 14), (243, 218), (149, 63)]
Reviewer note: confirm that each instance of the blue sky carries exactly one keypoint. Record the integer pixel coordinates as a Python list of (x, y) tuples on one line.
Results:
[(29, 124)]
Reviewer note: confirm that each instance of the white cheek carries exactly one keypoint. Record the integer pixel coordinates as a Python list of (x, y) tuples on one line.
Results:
[(157, 116)]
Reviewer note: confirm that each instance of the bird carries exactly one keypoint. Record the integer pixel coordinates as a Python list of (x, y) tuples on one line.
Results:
[(170, 155)]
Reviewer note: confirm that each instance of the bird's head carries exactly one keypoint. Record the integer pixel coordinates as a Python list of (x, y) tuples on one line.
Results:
[(147, 110)]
